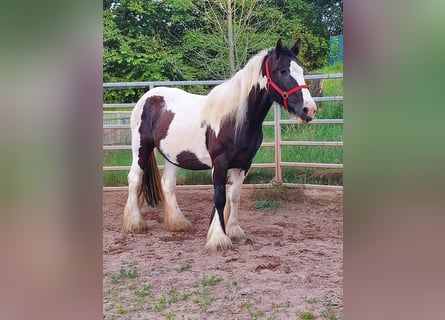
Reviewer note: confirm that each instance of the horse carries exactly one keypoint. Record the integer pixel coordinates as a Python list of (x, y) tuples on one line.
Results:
[(221, 131)]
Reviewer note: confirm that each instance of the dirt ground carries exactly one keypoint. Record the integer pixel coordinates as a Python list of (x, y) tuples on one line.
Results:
[(290, 266)]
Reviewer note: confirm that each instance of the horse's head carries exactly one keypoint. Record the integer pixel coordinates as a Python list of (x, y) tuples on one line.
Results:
[(285, 82)]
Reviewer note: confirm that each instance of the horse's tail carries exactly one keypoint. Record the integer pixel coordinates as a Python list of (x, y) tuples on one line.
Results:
[(151, 188)]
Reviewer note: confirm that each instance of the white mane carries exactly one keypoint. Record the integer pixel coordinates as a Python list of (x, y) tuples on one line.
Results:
[(229, 99)]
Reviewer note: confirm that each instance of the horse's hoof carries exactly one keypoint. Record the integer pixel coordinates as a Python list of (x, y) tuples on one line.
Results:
[(179, 224), (236, 234), (218, 243), (139, 227)]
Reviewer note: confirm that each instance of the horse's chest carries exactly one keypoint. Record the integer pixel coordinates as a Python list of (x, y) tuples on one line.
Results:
[(237, 150), (244, 153)]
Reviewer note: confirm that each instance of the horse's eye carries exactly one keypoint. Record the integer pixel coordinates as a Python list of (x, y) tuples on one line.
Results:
[(283, 72)]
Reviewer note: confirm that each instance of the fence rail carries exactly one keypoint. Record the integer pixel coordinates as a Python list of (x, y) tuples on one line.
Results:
[(266, 123), (152, 84), (277, 122), (131, 105)]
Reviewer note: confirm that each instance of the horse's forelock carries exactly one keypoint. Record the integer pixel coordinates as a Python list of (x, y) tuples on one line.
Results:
[(285, 53)]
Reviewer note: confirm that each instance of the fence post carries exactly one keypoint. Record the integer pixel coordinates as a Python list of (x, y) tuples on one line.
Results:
[(277, 117)]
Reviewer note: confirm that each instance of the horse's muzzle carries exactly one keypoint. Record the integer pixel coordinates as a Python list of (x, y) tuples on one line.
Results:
[(305, 120), (308, 113)]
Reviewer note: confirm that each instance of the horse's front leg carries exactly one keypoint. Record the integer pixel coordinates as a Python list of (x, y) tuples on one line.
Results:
[(216, 236), (233, 230)]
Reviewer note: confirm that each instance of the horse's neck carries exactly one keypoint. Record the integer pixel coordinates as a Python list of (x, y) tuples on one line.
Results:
[(259, 104), (234, 98)]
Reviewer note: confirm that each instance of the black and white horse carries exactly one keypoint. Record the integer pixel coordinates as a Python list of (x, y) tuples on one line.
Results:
[(220, 131)]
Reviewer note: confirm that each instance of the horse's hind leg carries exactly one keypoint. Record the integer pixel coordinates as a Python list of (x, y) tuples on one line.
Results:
[(133, 220), (174, 220), (233, 229)]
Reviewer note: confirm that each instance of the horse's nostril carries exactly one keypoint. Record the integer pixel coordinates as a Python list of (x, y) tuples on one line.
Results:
[(305, 109)]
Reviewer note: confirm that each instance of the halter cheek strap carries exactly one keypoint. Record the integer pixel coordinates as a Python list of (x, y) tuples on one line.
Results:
[(284, 94)]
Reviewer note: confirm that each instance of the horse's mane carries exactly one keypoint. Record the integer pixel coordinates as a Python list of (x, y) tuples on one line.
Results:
[(229, 99)]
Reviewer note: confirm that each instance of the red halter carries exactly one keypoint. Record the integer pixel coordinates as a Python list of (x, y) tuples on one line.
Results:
[(284, 94)]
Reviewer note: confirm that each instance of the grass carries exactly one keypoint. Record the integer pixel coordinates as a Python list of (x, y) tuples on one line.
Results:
[(263, 204), (144, 292), (329, 311), (130, 295), (305, 315), (185, 267), (136, 294), (289, 132), (127, 271), (211, 281), (277, 197)]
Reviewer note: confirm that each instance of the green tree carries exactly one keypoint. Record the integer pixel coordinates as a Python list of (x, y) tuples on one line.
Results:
[(229, 33), (138, 45), (208, 39)]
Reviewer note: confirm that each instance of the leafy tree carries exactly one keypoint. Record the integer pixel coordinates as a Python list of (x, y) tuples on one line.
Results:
[(137, 42), (229, 34), (207, 39)]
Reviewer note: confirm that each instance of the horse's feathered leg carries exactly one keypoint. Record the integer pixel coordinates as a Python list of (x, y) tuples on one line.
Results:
[(144, 180), (132, 218), (216, 236), (174, 220), (233, 230)]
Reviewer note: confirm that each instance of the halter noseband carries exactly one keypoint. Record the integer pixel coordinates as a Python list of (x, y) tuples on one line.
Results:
[(284, 94)]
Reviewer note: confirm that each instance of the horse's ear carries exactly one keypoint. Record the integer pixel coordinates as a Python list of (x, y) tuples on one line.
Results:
[(279, 46), (297, 46)]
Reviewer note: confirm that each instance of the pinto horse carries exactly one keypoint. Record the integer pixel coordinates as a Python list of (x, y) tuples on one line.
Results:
[(220, 131)]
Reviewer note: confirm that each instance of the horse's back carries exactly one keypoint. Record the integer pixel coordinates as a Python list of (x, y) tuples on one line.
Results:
[(175, 100)]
